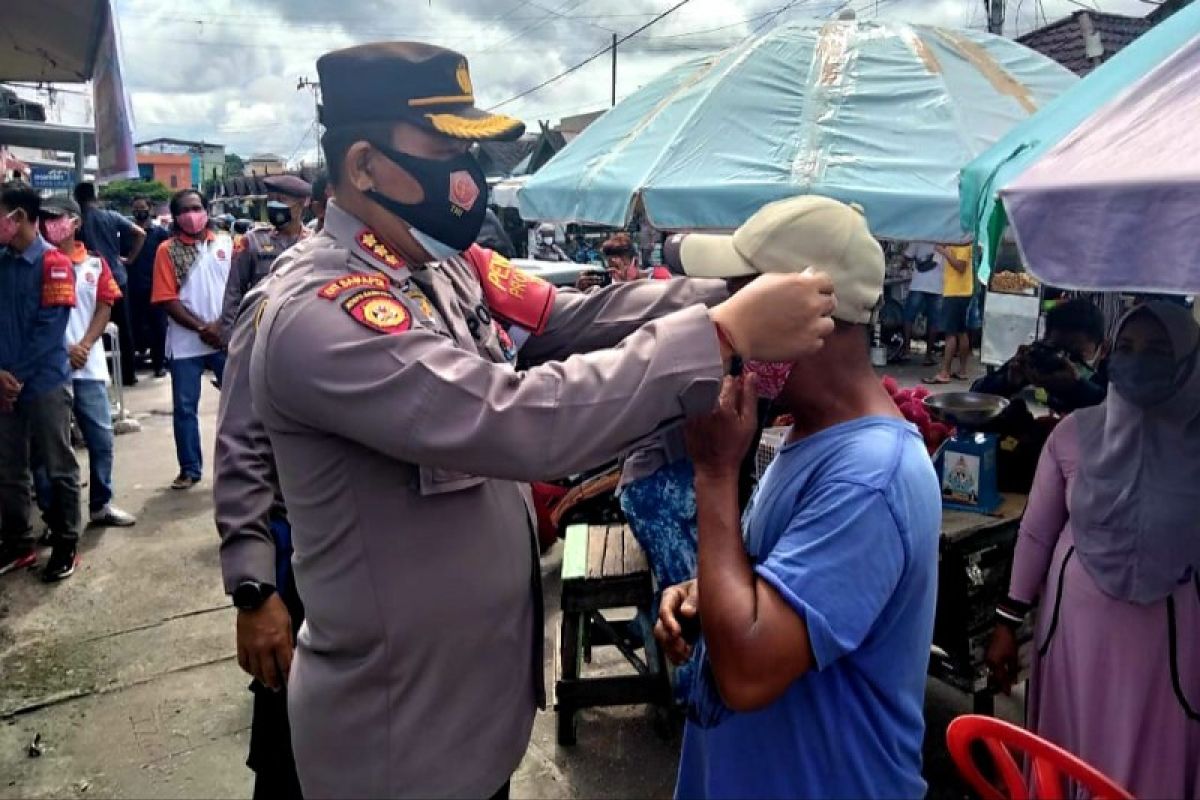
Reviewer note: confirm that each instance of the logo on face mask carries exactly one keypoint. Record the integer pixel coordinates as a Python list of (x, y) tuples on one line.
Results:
[(463, 192)]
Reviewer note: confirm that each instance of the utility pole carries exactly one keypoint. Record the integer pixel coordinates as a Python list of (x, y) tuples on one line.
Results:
[(995, 16), (315, 87), (614, 69)]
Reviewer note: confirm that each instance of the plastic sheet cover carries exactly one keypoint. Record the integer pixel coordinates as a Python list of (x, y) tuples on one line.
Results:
[(880, 113), (1116, 205), (984, 177)]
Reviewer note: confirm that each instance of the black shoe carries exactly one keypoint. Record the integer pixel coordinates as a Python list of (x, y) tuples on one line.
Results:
[(62, 563), (46, 539), (161, 372), (16, 558)]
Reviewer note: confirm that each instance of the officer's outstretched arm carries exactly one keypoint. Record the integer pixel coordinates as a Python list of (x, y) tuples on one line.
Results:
[(414, 396)]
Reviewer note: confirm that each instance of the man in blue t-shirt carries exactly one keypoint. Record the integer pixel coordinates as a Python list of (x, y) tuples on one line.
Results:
[(816, 609)]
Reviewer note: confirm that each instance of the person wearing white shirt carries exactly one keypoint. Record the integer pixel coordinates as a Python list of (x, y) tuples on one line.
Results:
[(924, 295), (96, 291)]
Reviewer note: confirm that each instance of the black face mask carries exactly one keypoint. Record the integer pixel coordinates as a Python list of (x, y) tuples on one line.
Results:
[(141, 216), (278, 214), (455, 202)]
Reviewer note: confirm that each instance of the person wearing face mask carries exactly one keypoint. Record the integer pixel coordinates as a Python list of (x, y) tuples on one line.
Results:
[(287, 197), (37, 292), (1109, 554), (816, 608), (411, 384), (1067, 365), (547, 249), (95, 293), (150, 336), (191, 270)]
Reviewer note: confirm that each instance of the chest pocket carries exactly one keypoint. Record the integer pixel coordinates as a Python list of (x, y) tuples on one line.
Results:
[(427, 314)]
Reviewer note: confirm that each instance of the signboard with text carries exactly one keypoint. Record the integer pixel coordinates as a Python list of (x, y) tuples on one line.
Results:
[(60, 178)]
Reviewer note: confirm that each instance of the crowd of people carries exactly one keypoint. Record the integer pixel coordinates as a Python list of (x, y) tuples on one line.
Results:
[(389, 388)]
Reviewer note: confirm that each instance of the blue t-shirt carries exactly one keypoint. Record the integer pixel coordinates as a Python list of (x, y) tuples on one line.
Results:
[(845, 526)]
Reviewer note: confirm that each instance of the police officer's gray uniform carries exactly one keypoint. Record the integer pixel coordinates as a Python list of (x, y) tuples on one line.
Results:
[(403, 434)]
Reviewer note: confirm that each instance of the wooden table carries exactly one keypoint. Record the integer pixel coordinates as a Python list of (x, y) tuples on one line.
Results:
[(974, 563)]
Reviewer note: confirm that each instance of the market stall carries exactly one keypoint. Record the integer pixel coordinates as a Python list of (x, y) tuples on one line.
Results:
[(884, 114), (983, 180)]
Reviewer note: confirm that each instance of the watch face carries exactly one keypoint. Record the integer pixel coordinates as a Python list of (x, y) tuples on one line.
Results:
[(249, 595)]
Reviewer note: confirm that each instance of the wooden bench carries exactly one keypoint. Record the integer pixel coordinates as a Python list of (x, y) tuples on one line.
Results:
[(604, 568)]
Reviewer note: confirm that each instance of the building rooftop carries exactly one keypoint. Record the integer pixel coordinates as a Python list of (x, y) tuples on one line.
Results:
[(1065, 40), (181, 142)]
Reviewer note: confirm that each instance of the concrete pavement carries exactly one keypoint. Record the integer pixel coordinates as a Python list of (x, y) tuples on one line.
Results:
[(127, 670)]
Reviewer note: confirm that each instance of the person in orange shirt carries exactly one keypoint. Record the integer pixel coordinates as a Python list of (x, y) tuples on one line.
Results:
[(190, 272)]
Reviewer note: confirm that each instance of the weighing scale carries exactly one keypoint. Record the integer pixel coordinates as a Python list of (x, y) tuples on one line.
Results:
[(966, 462)]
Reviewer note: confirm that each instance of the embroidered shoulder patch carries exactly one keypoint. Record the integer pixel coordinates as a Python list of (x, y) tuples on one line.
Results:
[(512, 294), (374, 247), (58, 281), (355, 280), (378, 310)]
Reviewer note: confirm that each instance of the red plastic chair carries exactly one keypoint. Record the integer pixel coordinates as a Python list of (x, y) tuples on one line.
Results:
[(1049, 764)]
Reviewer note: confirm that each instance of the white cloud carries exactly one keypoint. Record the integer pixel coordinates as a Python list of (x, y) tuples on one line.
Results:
[(226, 71)]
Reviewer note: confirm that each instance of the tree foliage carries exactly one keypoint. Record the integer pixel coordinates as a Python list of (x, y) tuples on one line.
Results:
[(233, 165), (121, 193)]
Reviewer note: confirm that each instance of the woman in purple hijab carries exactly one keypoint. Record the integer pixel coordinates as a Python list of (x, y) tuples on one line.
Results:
[(1109, 555)]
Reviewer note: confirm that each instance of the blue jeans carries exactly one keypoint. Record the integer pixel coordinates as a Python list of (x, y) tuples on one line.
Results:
[(93, 415), (186, 374)]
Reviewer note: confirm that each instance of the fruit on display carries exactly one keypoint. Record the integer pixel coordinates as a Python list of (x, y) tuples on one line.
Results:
[(1013, 282), (911, 403)]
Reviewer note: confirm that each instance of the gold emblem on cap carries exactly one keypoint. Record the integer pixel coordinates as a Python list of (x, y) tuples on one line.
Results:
[(463, 76)]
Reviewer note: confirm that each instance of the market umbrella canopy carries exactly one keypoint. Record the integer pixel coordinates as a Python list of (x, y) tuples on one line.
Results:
[(880, 113), (51, 40), (1116, 205), (984, 177)]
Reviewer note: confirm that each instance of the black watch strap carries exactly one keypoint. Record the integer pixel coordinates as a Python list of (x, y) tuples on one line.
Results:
[(249, 595)]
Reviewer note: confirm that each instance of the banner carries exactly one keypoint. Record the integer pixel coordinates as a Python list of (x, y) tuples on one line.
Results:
[(114, 116)]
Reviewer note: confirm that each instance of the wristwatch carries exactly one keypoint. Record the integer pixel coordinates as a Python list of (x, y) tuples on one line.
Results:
[(249, 595)]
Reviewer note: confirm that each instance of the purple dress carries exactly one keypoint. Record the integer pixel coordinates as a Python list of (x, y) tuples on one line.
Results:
[(1107, 682)]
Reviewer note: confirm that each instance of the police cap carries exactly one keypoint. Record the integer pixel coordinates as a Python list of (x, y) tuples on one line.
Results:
[(290, 185), (412, 82)]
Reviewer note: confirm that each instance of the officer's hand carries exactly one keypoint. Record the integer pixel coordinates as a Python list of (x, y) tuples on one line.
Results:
[(678, 602), (264, 642), (779, 317)]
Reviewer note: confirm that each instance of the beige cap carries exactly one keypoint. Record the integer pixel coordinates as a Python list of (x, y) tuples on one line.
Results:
[(790, 236)]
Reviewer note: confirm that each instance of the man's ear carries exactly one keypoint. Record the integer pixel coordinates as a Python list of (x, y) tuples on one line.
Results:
[(358, 166)]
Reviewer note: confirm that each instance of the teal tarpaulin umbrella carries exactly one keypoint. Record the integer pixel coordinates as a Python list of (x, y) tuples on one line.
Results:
[(1025, 144), (880, 113)]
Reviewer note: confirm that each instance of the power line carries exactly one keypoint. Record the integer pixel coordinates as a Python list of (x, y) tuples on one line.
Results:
[(568, 6), (589, 59)]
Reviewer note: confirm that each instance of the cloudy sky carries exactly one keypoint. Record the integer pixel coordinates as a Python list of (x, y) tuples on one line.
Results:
[(226, 70)]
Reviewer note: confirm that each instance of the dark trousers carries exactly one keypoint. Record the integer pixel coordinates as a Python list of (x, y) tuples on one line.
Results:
[(150, 332), (124, 323), (271, 755), (38, 431)]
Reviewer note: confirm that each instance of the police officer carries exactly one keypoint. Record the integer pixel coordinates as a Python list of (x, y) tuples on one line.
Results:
[(410, 382), (255, 563), (287, 197)]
